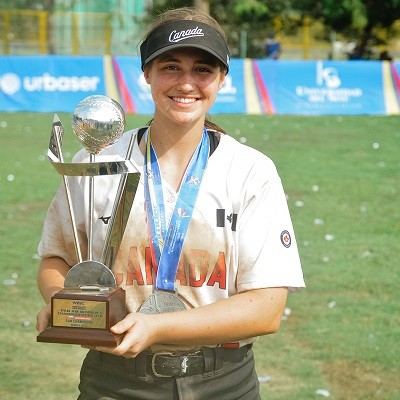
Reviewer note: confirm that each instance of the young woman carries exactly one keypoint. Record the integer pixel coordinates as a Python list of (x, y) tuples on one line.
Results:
[(209, 226)]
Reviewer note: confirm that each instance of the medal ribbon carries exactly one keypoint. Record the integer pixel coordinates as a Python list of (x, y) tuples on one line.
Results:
[(166, 243)]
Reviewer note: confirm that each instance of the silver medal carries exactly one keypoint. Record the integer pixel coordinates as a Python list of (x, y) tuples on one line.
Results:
[(161, 301)]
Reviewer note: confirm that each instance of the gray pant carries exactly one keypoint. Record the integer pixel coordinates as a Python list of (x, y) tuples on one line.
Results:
[(107, 377)]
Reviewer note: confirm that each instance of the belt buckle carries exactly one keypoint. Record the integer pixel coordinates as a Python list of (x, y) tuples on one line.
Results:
[(153, 366)]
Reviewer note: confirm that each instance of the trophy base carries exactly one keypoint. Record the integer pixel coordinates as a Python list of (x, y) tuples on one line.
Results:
[(85, 316), (82, 336)]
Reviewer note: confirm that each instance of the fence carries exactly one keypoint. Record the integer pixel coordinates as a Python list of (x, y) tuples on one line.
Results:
[(23, 31), (26, 32)]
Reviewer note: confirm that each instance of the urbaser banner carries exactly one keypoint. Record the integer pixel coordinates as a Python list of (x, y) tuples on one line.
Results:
[(48, 83)]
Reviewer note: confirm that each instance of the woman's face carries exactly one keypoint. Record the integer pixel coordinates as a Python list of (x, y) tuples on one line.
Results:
[(184, 84)]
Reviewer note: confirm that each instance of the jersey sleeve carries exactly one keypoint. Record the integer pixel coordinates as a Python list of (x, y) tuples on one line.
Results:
[(267, 248)]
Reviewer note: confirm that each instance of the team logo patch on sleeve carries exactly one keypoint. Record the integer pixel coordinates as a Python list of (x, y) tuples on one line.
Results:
[(286, 239)]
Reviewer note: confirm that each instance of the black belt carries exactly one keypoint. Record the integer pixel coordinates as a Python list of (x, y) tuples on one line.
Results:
[(168, 365), (178, 364)]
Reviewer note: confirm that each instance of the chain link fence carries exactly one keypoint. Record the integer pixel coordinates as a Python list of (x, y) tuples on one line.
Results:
[(24, 32)]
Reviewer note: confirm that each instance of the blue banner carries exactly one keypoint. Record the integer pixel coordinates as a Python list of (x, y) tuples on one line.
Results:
[(136, 90), (231, 98), (317, 87), (48, 83), (58, 83)]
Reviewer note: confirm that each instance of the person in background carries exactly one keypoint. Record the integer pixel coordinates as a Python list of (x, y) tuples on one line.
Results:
[(272, 47), (385, 56), (209, 228), (362, 49)]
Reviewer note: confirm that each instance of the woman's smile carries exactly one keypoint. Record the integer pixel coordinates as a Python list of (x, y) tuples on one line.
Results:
[(184, 100), (184, 84)]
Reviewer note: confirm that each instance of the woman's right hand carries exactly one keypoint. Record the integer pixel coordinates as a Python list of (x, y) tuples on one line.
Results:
[(43, 318)]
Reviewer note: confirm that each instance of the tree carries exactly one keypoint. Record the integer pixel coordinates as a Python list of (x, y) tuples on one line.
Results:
[(357, 14), (360, 18), (382, 13), (27, 4), (255, 17)]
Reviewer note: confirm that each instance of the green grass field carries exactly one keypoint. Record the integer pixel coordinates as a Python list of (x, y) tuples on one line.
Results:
[(342, 178)]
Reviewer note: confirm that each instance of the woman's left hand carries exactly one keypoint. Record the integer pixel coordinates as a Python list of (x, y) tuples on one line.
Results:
[(140, 331)]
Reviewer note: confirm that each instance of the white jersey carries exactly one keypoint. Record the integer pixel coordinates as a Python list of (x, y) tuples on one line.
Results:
[(240, 236)]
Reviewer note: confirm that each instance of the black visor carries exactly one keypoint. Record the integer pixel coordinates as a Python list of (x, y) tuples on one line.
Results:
[(186, 33)]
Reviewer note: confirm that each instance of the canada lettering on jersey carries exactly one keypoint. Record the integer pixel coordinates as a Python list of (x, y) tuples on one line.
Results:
[(193, 270)]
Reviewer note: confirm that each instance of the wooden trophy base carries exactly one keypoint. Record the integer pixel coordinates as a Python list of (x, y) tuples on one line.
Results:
[(84, 317), (82, 336)]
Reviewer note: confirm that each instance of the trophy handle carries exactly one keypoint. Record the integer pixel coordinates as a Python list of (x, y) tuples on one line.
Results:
[(54, 150), (119, 216)]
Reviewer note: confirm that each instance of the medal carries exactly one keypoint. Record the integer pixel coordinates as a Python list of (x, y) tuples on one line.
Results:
[(167, 237), (161, 301)]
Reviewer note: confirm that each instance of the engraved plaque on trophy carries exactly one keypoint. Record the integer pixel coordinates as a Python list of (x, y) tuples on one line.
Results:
[(90, 302)]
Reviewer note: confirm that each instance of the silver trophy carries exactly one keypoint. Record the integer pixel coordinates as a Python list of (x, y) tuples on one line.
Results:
[(91, 302)]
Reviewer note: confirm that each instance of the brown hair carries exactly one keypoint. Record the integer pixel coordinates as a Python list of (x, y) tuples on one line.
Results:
[(187, 13)]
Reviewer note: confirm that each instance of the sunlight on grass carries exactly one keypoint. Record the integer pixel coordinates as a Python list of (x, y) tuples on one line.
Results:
[(341, 176)]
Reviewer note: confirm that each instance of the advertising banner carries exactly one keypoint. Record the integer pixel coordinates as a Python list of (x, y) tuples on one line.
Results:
[(258, 86), (135, 93), (136, 96), (48, 83), (395, 74), (322, 87), (231, 98)]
